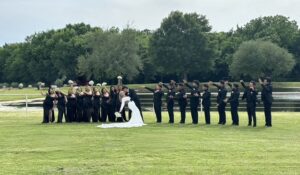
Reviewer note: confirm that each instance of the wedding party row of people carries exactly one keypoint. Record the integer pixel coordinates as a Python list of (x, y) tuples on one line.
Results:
[(90, 104), (177, 91), (82, 106)]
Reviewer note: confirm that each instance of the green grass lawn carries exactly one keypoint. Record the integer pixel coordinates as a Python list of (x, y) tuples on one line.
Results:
[(29, 147)]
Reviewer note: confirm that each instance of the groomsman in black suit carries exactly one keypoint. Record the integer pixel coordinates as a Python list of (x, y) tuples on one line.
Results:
[(182, 102), (206, 103), (250, 95), (234, 103), (194, 99), (266, 97), (221, 101), (170, 99), (134, 97), (157, 96)]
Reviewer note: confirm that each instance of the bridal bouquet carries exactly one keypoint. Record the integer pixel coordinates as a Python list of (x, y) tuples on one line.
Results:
[(117, 114)]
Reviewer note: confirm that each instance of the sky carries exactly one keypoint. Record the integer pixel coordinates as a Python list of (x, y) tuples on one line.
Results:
[(21, 18)]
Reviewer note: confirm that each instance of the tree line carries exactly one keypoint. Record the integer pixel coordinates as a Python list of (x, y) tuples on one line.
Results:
[(184, 46)]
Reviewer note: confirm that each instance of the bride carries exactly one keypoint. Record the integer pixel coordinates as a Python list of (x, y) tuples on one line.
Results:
[(136, 119)]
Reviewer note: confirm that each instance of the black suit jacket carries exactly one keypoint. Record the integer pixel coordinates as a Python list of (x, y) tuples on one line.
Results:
[(266, 94), (134, 97)]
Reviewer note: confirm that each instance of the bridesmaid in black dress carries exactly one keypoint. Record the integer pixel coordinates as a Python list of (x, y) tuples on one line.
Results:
[(87, 104), (48, 105), (114, 98), (61, 106), (96, 105), (106, 106), (71, 106), (79, 105)]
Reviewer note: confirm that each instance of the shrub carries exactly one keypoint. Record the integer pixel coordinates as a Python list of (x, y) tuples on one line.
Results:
[(14, 85)]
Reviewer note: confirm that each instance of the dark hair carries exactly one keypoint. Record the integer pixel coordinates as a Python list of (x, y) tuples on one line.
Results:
[(124, 87), (180, 84), (196, 82), (253, 82), (206, 85), (222, 82), (236, 85), (268, 79)]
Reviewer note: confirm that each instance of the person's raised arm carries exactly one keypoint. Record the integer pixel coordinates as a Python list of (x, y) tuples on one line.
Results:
[(150, 89), (188, 85), (216, 85), (243, 84), (267, 88), (124, 100), (166, 86)]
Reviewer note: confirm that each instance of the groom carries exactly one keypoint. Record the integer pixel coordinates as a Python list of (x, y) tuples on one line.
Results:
[(134, 97)]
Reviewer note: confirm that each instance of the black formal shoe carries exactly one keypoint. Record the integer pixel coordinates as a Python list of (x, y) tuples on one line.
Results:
[(254, 125), (181, 122)]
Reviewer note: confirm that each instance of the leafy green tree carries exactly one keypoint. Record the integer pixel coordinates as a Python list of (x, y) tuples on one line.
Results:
[(181, 46), (53, 54), (277, 29), (261, 58), (149, 71), (225, 44), (112, 53)]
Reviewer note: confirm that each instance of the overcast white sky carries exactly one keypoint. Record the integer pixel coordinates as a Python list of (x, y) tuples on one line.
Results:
[(20, 18)]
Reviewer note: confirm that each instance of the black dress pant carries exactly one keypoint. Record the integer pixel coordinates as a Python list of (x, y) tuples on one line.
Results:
[(268, 115), (252, 115), (234, 114), (222, 114), (157, 110), (123, 114), (182, 112), (194, 113), (170, 107), (61, 113), (207, 114)]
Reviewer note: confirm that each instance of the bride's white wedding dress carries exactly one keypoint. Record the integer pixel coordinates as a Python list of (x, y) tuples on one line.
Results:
[(135, 121)]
